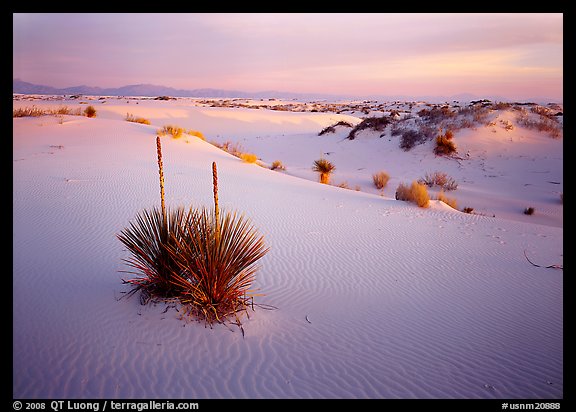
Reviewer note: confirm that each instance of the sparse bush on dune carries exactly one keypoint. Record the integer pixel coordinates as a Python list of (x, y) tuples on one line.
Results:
[(529, 211), (90, 111), (332, 128), (325, 169), (373, 123), (440, 179), (416, 193), (444, 144), (410, 138), (542, 123), (380, 179)]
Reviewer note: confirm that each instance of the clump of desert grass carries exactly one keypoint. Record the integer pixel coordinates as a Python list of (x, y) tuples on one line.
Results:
[(325, 169), (201, 258), (450, 201), (196, 133), (34, 111), (277, 165), (415, 193), (175, 131), (135, 119), (380, 179), (235, 149), (248, 157)]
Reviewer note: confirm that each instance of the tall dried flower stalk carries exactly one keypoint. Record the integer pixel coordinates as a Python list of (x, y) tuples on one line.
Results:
[(161, 171), (216, 209)]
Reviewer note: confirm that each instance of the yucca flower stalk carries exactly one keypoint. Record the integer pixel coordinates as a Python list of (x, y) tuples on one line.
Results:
[(217, 257), (147, 238)]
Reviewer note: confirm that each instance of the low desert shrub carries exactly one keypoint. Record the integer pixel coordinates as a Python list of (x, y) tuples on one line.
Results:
[(277, 165), (468, 210), (416, 193), (373, 123), (332, 128), (440, 179), (444, 144), (410, 138), (90, 111), (135, 119), (529, 211), (249, 157), (542, 124), (325, 169), (380, 179)]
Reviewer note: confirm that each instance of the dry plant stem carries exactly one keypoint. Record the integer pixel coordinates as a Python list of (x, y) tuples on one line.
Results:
[(161, 171), (547, 267), (216, 209)]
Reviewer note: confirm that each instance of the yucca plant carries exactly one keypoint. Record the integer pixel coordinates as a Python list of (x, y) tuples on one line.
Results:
[(324, 168), (204, 260)]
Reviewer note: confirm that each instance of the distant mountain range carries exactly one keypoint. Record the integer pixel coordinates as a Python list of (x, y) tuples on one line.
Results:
[(150, 90)]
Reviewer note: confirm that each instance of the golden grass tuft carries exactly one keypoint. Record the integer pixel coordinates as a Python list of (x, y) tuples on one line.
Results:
[(248, 157), (169, 129), (415, 193), (380, 179), (448, 200), (277, 165), (34, 111), (196, 133), (135, 119)]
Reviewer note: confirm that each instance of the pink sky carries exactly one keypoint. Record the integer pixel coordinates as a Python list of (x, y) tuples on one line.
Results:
[(516, 56)]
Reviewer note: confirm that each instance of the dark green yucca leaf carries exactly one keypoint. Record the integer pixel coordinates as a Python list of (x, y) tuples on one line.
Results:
[(217, 270), (147, 238)]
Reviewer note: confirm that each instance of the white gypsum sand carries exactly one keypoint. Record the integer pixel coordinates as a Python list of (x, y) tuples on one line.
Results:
[(375, 298)]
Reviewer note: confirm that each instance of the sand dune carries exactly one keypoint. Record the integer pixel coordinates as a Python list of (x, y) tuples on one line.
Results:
[(374, 297)]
